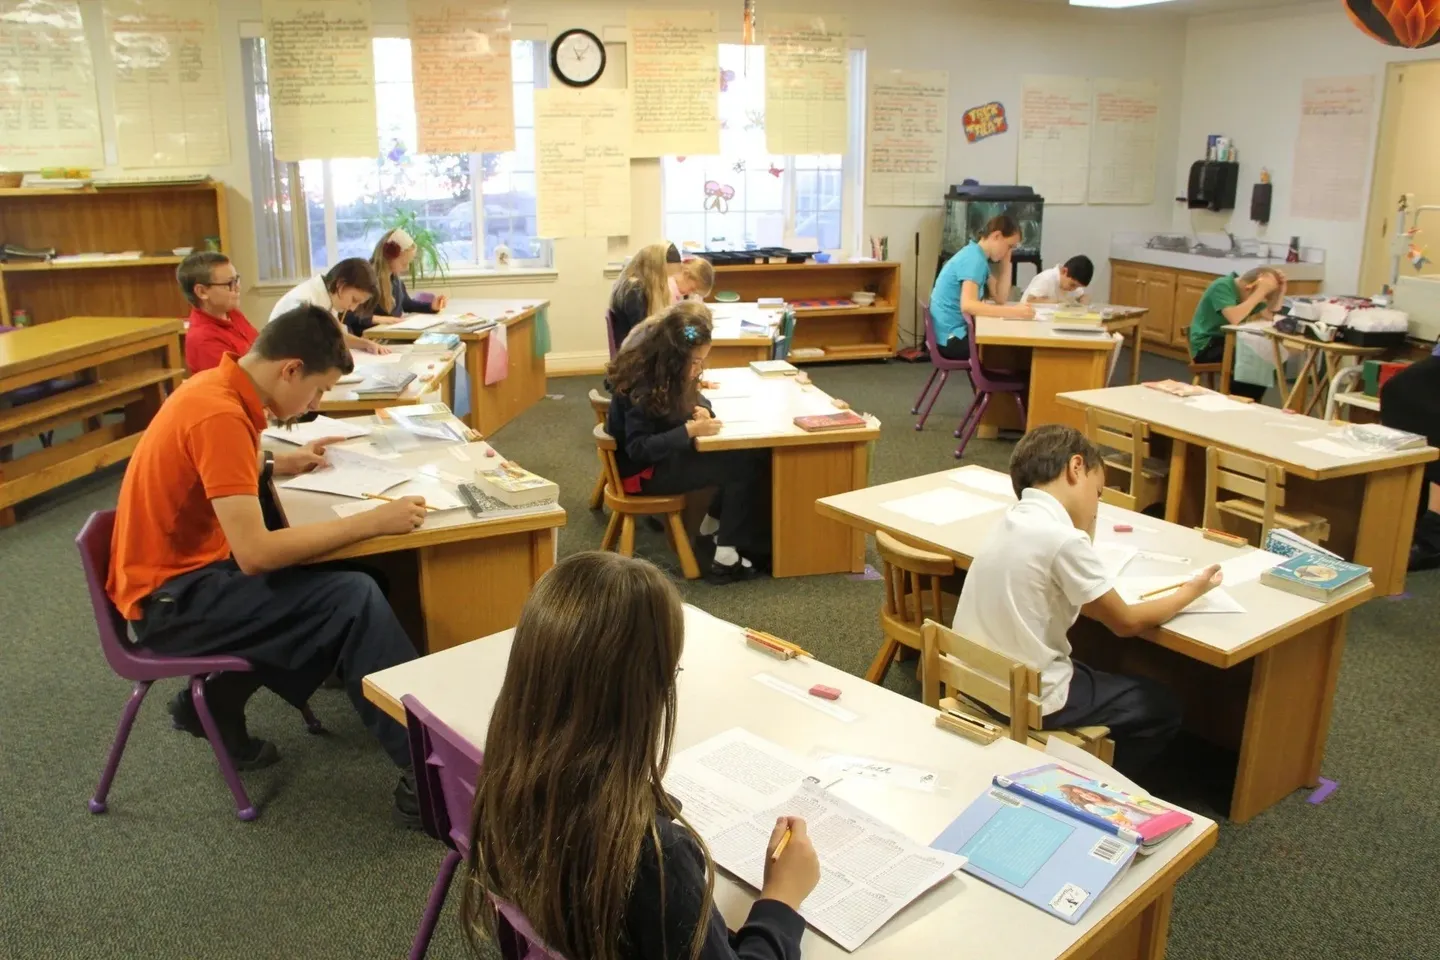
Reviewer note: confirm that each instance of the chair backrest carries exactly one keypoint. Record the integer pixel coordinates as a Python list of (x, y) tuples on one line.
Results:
[(93, 540), (610, 333), (1111, 431), (968, 669), (980, 378), (600, 404), (607, 447), (1259, 481), (781, 349), (912, 581)]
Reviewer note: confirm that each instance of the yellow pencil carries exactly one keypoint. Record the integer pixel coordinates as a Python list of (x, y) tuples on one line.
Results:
[(1156, 593), (771, 638), (780, 847), (376, 496)]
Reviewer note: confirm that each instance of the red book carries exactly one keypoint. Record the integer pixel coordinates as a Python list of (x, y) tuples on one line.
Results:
[(843, 420)]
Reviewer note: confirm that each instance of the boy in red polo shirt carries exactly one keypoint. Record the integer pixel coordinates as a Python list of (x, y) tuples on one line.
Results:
[(217, 326), (195, 570)]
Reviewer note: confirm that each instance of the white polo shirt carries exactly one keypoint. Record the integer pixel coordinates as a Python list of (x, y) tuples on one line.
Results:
[(1046, 286), (1026, 587), (312, 291)]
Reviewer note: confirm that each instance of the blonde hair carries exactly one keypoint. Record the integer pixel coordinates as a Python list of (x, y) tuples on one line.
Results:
[(1251, 277), (381, 262), (646, 270), (701, 273)]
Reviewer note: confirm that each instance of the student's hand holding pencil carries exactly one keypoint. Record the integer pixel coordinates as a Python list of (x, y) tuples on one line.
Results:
[(791, 867), (395, 516)]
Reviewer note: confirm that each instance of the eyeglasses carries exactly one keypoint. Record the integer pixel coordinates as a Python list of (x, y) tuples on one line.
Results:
[(233, 283)]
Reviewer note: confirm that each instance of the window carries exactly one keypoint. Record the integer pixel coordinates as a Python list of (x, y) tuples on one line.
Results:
[(748, 195), (473, 202)]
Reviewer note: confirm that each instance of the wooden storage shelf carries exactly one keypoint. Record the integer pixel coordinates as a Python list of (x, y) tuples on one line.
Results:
[(91, 264)]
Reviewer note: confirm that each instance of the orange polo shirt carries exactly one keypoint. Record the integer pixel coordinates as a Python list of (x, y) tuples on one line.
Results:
[(203, 444)]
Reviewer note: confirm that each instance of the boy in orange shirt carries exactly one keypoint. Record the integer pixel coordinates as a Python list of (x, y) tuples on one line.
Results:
[(196, 571)]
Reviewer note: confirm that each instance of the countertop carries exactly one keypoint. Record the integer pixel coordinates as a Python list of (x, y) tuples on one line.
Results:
[(1215, 266)]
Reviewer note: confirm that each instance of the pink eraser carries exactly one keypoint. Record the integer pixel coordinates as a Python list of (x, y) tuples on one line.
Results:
[(489, 452), (1289, 411), (1123, 528), (824, 692)]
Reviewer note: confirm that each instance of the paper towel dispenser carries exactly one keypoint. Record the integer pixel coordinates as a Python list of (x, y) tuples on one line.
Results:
[(1212, 185)]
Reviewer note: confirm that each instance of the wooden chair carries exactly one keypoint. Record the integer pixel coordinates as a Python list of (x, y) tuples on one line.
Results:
[(978, 677), (1133, 488), (1208, 372), (624, 508), (912, 596), (1261, 487), (601, 405)]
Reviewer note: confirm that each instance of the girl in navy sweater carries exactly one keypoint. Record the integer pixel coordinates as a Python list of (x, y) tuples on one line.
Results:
[(391, 260)]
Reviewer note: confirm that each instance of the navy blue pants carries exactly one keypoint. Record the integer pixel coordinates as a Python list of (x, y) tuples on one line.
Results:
[(1142, 715)]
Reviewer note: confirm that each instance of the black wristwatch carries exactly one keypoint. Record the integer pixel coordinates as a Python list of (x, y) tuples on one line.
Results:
[(267, 470)]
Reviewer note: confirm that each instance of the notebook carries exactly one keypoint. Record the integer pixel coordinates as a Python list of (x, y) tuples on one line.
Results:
[(843, 420)]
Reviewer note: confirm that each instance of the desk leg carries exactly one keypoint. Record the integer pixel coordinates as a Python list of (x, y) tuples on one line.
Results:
[(503, 568), (1227, 362), (1287, 717), (475, 372), (1053, 372), (802, 541), (1175, 487), (1297, 392), (1144, 937), (1137, 340), (1387, 525), (1281, 383)]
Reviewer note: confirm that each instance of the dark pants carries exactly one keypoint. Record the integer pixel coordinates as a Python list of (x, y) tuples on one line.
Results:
[(1142, 715), (956, 348), (296, 626), (743, 500), (1214, 352), (1410, 400)]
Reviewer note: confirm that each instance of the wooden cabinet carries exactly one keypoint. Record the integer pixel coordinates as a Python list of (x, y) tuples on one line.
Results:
[(1125, 285), (1189, 289), (1159, 286)]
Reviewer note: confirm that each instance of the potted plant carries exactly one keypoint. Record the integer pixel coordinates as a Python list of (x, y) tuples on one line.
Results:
[(430, 257)]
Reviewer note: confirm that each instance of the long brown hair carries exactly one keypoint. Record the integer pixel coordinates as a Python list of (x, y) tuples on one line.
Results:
[(647, 271), (654, 366), (380, 263), (578, 744)]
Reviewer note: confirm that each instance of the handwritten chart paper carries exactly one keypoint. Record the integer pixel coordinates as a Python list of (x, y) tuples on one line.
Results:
[(322, 78), (49, 114), (906, 167), (582, 162), (1332, 151), (674, 69), (460, 64), (807, 81), (1122, 141), (1054, 153), (168, 85)]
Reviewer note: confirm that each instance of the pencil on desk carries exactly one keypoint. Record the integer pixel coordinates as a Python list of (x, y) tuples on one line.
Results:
[(780, 847), (1157, 592), (376, 496), (770, 638)]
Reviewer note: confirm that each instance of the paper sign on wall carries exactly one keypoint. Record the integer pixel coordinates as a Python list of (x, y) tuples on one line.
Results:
[(984, 121), (1054, 154), (807, 84), (582, 162), (49, 113), (460, 65), (906, 140), (674, 70), (169, 86), (321, 67), (1332, 151), (1122, 141)]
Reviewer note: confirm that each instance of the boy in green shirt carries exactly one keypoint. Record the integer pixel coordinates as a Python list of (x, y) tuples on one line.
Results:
[(1231, 299)]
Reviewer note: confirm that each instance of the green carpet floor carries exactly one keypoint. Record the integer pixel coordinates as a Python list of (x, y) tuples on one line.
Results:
[(170, 873)]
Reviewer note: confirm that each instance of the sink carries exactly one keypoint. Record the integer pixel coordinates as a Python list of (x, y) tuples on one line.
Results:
[(1200, 250)]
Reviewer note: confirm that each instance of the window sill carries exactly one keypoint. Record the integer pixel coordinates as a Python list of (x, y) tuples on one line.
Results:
[(461, 277)]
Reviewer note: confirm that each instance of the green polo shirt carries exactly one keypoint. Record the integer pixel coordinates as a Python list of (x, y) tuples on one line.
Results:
[(1209, 318)]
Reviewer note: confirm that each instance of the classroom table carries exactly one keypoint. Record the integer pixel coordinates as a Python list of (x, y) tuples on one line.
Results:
[(717, 691), (1261, 683), (433, 366), (1369, 500), (456, 577), (492, 405), (734, 345), (115, 363), (1056, 359), (804, 466), (1320, 361)]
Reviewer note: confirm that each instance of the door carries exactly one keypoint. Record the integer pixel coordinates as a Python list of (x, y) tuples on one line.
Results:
[(1188, 293), (1405, 151), (1159, 286), (1125, 288)]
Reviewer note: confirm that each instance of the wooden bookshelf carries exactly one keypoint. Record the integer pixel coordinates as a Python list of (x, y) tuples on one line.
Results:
[(844, 333), (154, 219)]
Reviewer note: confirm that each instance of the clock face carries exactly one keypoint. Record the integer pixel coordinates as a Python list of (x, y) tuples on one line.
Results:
[(578, 58)]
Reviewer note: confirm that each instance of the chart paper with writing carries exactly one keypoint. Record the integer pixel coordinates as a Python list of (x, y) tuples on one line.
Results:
[(321, 65), (674, 70), (807, 84), (1122, 141), (1054, 154), (49, 113), (582, 162), (461, 67), (906, 139)]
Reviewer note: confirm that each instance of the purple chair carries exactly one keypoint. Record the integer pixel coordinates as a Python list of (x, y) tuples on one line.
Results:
[(985, 383), (941, 367), (133, 662), (447, 768)]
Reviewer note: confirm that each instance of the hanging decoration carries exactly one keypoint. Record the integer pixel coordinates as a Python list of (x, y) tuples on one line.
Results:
[(725, 77), (1397, 23), (775, 171), (747, 26), (719, 196), (984, 121)]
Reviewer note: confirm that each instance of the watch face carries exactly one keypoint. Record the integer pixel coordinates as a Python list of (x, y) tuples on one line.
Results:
[(578, 57)]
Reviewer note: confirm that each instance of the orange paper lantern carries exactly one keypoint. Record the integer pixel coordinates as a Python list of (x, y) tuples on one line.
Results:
[(1398, 23)]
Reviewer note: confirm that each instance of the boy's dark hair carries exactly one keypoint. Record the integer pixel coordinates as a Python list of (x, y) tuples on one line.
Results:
[(1081, 270), (196, 269), (353, 272), (1003, 224), (1043, 453), (308, 334)]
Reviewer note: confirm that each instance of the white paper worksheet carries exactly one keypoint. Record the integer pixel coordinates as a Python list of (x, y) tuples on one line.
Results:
[(321, 428), (348, 475), (733, 774), (942, 505), (1218, 600)]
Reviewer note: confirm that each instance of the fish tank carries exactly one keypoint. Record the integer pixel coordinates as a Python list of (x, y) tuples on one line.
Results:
[(968, 207)]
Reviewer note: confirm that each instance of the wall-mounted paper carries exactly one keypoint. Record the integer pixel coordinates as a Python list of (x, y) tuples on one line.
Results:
[(807, 84), (321, 66), (1332, 151), (1122, 141), (1055, 137), (49, 114), (906, 167), (460, 62), (169, 86), (674, 67), (582, 162)]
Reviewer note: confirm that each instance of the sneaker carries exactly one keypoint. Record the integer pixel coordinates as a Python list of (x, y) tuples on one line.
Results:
[(406, 812), (246, 752)]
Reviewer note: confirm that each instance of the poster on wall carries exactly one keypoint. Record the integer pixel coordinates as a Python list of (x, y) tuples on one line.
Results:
[(906, 138), (321, 66), (49, 112), (1122, 141), (168, 85), (1054, 152), (1332, 150), (582, 162), (984, 121), (807, 84), (461, 72), (674, 70)]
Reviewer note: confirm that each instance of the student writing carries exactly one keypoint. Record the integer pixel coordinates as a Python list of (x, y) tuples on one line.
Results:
[(694, 281), (643, 288), (215, 325), (1230, 300), (1066, 283), (347, 286), (571, 824), (1039, 571), (394, 252), (979, 270)]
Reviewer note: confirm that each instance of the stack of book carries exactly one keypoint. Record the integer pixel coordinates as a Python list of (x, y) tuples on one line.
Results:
[(1310, 570)]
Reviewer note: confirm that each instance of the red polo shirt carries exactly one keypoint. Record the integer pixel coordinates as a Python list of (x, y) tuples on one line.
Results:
[(209, 338)]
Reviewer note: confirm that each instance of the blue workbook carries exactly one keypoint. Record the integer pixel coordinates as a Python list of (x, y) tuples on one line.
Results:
[(1056, 861)]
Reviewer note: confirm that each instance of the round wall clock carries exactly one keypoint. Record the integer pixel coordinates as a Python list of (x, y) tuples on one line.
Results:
[(577, 58)]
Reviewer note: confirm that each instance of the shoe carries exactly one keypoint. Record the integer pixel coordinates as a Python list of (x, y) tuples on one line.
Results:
[(721, 573), (1423, 559), (406, 812), (246, 752)]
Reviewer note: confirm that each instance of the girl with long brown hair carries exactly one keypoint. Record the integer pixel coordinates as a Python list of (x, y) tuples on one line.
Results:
[(391, 259), (571, 824), (643, 289)]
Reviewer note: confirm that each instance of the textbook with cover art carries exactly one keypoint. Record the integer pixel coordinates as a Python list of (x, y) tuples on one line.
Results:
[(1137, 819)]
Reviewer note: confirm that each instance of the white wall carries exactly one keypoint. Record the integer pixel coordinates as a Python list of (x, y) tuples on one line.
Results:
[(1242, 78)]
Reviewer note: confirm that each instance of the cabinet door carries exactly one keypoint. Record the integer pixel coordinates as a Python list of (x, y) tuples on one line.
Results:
[(1188, 292), (1125, 287), (1160, 298)]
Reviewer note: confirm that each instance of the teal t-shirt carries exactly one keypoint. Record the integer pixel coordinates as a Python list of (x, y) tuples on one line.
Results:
[(1205, 325), (969, 264)]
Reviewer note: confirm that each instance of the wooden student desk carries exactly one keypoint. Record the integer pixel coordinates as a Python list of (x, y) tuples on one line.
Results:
[(1309, 388), (1259, 683), (717, 691), (732, 345), (434, 369), (128, 363), (493, 405), (804, 466), (1369, 500), (456, 577)]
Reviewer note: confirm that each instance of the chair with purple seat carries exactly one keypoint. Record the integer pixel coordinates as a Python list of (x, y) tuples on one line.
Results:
[(940, 366), (134, 663), (986, 383), (447, 768)]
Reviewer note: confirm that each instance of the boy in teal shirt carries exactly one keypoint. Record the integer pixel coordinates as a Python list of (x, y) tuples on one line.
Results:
[(966, 279), (1229, 300)]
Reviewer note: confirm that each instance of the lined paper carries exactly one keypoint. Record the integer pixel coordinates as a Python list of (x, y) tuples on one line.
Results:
[(906, 138), (1055, 121), (461, 68), (49, 113), (1332, 151), (582, 162), (674, 68), (321, 66), (807, 84), (1122, 141)]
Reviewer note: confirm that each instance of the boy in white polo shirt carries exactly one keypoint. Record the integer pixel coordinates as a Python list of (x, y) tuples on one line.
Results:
[(1039, 572), (1062, 284)]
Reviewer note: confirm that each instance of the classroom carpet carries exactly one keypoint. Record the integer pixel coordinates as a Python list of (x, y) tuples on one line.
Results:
[(170, 872)]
